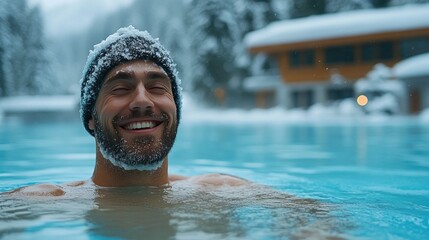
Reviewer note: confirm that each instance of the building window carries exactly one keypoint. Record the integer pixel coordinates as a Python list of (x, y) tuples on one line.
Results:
[(340, 54), (377, 51), (302, 99), (301, 58), (414, 46), (385, 50), (340, 93)]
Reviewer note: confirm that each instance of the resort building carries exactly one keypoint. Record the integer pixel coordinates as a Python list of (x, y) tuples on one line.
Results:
[(317, 59)]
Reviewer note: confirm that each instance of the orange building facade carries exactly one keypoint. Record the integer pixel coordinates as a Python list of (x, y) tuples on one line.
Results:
[(319, 58)]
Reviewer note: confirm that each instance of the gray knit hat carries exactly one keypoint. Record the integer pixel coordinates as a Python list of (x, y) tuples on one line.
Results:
[(125, 45)]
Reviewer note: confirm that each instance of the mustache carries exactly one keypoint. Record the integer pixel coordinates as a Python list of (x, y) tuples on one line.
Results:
[(141, 114)]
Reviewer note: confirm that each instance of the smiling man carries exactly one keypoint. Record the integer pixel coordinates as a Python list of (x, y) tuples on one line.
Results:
[(131, 104), (134, 121)]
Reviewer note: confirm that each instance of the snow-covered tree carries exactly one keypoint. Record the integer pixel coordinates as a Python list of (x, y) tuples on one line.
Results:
[(403, 2), (342, 6), (38, 78), (22, 59), (304, 8), (3, 40), (219, 59), (252, 15), (380, 3), (214, 31), (12, 44)]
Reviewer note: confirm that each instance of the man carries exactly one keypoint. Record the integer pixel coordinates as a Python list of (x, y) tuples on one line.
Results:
[(131, 104)]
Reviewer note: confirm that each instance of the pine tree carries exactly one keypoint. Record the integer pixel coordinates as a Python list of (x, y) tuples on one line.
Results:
[(3, 39), (403, 2), (380, 3), (21, 45), (304, 8), (214, 31), (38, 78), (11, 45), (252, 15), (341, 5)]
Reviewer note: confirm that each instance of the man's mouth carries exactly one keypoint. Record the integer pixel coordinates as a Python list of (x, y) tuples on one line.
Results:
[(141, 125)]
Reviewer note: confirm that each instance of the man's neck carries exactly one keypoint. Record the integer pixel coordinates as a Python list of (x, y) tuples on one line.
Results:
[(108, 175)]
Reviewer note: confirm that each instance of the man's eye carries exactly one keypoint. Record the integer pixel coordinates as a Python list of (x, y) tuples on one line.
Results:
[(158, 89), (120, 90)]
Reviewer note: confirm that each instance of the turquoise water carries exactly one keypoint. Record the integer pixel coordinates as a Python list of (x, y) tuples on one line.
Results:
[(368, 180)]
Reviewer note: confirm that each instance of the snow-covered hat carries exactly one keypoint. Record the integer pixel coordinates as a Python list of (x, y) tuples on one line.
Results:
[(125, 45)]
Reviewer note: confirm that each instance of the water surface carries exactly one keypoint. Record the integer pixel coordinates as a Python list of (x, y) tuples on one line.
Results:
[(350, 179)]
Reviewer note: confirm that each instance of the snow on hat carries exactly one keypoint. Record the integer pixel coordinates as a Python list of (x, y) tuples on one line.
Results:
[(125, 45)]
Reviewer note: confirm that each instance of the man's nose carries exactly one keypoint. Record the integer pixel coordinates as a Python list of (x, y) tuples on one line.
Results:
[(141, 99)]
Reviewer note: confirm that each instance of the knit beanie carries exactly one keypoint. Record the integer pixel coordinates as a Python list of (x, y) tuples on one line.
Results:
[(125, 45)]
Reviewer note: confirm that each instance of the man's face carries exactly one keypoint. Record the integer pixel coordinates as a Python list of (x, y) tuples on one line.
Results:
[(134, 119)]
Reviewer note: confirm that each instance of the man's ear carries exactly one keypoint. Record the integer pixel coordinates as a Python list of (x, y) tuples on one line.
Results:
[(91, 124)]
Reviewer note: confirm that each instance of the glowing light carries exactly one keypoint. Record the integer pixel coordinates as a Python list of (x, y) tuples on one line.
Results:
[(362, 100)]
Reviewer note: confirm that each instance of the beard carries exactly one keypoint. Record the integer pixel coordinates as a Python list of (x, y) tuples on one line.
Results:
[(140, 153)]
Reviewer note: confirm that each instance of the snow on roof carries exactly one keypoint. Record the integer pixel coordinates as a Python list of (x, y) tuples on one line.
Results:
[(344, 24), (416, 66)]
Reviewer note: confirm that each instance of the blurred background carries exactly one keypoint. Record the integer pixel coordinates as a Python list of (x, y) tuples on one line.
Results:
[(246, 54)]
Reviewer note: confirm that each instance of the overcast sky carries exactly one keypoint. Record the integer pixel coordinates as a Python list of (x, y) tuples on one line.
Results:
[(63, 17)]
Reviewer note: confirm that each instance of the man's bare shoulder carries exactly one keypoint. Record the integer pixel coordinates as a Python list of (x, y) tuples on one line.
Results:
[(45, 189), (53, 190), (212, 179)]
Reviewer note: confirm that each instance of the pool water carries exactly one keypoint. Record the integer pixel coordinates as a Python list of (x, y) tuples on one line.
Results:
[(355, 179)]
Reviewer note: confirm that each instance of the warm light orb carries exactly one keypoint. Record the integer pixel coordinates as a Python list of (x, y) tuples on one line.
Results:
[(362, 100)]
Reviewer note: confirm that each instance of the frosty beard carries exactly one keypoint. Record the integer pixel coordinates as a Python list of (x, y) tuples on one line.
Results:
[(143, 153)]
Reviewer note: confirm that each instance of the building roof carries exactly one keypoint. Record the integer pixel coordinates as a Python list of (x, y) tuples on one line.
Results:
[(413, 67), (343, 24)]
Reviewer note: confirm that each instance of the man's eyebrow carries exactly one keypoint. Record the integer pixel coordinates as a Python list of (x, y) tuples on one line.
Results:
[(157, 75), (120, 75)]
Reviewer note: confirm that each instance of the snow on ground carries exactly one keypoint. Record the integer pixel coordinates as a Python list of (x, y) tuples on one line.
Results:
[(38, 108), (346, 111), (424, 115), (353, 23)]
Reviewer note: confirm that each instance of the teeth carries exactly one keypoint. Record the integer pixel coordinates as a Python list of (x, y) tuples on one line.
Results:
[(140, 125)]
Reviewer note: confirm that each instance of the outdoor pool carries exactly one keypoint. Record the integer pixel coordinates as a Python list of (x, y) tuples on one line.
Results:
[(354, 179)]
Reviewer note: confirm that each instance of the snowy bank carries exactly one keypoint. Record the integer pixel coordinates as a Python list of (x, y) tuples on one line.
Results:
[(31, 106), (342, 112), (424, 115), (39, 103)]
